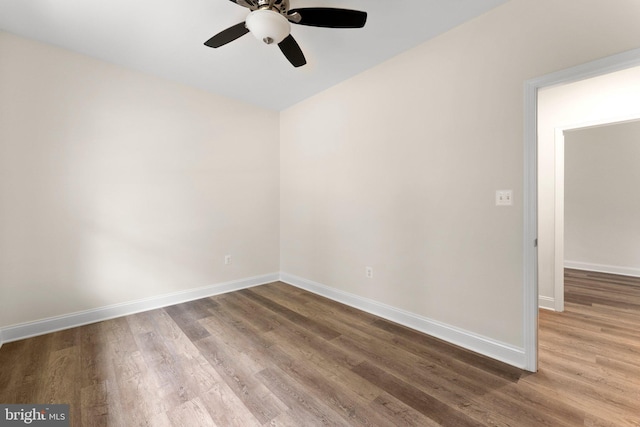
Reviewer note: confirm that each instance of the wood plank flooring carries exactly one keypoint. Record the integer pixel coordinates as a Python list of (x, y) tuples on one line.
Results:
[(276, 355)]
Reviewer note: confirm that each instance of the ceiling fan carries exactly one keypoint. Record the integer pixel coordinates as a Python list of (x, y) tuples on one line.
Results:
[(270, 21)]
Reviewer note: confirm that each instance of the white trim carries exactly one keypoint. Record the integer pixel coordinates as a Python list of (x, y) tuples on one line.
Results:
[(601, 268), (599, 67), (530, 240), (547, 303), (558, 224), (466, 339), (72, 320)]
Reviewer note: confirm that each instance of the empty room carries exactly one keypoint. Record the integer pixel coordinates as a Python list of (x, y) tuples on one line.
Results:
[(353, 227)]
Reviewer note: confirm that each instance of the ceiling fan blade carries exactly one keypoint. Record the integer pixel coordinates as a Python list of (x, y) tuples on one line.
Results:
[(228, 35), (330, 17), (292, 51)]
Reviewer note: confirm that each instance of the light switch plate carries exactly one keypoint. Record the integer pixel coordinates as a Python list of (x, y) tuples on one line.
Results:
[(504, 197)]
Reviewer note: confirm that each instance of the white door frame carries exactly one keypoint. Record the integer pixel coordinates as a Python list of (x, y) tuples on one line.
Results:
[(530, 251), (558, 267)]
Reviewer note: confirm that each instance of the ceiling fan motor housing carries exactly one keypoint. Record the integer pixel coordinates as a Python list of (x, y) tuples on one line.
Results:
[(268, 25)]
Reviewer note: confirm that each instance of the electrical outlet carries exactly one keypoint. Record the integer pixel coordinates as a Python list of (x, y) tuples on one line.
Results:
[(368, 272), (227, 259), (504, 197)]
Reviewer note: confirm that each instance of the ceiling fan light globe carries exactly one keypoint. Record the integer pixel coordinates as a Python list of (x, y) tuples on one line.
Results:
[(268, 26)]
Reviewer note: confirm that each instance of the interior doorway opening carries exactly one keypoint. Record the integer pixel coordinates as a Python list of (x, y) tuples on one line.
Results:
[(588, 103), (597, 173), (540, 263)]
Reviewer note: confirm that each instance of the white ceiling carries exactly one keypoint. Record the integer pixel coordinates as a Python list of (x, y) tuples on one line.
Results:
[(165, 38)]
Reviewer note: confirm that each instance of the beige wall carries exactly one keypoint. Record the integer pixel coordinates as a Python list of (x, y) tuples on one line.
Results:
[(397, 167), (605, 99), (602, 198), (117, 186)]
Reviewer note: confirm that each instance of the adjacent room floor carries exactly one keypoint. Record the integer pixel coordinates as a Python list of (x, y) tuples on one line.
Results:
[(276, 355)]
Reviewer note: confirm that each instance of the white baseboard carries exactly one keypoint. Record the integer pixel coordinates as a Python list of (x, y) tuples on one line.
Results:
[(72, 320), (497, 350), (548, 303), (486, 346), (600, 268)]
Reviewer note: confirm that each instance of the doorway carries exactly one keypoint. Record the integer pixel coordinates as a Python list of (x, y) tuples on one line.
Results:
[(540, 255), (597, 178), (597, 101)]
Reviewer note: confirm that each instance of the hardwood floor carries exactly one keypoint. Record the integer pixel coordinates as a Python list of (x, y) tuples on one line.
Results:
[(275, 355)]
